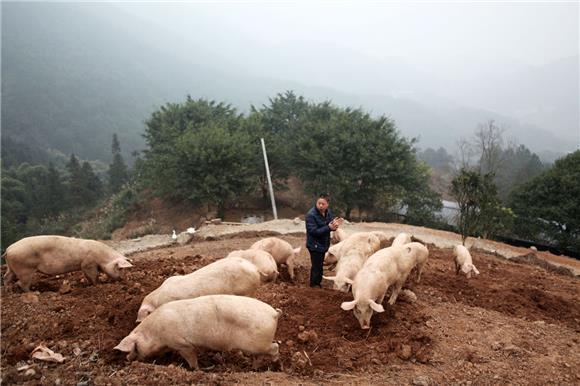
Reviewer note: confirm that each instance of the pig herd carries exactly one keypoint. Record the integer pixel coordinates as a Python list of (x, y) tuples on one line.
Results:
[(213, 307)]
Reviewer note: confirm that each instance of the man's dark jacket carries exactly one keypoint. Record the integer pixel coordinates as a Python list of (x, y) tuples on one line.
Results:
[(317, 230)]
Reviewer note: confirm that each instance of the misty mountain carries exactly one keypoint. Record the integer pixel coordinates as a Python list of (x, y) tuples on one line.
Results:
[(74, 74)]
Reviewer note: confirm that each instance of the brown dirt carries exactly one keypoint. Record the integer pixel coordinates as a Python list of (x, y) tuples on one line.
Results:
[(514, 323)]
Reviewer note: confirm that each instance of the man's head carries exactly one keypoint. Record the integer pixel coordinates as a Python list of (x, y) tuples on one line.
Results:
[(322, 203)]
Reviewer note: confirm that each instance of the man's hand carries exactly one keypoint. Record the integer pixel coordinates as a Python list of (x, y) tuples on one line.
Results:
[(335, 223)]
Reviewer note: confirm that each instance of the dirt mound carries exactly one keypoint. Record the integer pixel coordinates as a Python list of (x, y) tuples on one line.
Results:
[(531, 258), (319, 341)]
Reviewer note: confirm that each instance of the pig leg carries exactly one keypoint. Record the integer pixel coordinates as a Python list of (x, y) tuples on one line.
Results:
[(190, 356), (290, 265), (9, 276), (395, 293), (274, 352), (419, 271), (91, 271), (457, 268), (25, 279)]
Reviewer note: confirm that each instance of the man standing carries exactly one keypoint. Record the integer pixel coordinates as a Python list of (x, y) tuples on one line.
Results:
[(319, 223)]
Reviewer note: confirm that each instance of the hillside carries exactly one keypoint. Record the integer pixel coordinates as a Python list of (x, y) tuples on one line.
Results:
[(514, 323)]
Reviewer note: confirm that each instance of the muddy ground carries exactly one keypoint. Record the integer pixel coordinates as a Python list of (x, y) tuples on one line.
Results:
[(514, 323)]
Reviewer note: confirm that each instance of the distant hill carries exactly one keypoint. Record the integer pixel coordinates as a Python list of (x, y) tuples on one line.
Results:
[(74, 74)]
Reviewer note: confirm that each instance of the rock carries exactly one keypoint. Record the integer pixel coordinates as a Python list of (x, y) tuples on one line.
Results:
[(216, 221), (296, 220), (318, 373), (408, 296), (301, 328), (422, 380), (376, 361), (308, 336), (512, 349), (405, 352), (184, 238), (65, 288), (299, 360), (30, 297), (533, 248), (30, 373), (290, 343), (496, 346)]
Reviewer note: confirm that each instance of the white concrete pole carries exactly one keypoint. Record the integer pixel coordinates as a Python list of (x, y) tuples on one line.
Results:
[(269, 180)]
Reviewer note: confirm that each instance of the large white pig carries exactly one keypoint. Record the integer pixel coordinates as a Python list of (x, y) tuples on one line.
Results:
[(337, 250), (371, 283), (337, 236), (217, 322), (401, 239), (55, 255), (261, 259), (354, 253), (282, 251), (463, 261), (233, 275), (412, 255)]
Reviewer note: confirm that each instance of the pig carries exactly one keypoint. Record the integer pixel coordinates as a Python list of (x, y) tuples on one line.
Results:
[(217, 322), (355, 251), (334, 252), (232, 276), (55, 255), (332, 255), (412, 255), (463, 261), (261, 259), (280, 250), (401, 239), (337, 236), (383, 238), (371, 283)]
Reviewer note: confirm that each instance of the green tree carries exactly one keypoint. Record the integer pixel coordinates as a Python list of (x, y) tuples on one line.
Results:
[(548, 207), (83, 185), (215, 165), (520, 165), (479, 209), (74, 183), (363, 162), (92, 186), (118, 174), (14, 210), (277, 122), (160, 169)]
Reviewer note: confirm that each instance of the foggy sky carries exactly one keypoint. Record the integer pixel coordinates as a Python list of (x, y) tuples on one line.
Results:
[(451, 53)]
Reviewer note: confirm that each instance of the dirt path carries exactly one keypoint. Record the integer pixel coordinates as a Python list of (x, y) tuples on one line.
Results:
[(441, 239), (514, 323)]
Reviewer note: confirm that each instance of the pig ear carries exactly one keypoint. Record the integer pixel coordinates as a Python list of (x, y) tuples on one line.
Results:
[(122, 263), (376, 307), (347, 306), (143, 312), (331, 278), (126, 345), (297, 250)]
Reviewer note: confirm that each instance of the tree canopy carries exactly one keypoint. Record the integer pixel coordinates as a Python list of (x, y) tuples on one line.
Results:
[(548, 206)]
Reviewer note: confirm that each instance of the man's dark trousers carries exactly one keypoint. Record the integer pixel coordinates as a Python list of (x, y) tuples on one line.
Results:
[(317, 259)]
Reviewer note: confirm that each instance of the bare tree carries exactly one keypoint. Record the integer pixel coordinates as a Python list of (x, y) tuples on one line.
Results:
[(488, 142), (464, 154)]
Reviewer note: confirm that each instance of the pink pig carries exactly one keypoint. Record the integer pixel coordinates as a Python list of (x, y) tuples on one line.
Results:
[(54, 255)]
